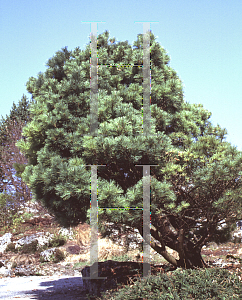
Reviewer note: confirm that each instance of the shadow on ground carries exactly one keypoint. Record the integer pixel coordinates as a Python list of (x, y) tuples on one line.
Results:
[(46, 288), (65, 288)]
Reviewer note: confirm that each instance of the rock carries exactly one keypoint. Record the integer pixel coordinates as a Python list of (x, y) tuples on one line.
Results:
[(68, 233), (53, 254), (25, 271), (237, 234), (124, 235), (4, 241), (46, 255), (239, 224), (17, 263), (41, 237), (5, 272), (32, 207), (220, 263)]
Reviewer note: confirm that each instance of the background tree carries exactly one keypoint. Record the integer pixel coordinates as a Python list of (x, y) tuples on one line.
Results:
[(197, 182), (12, 162)]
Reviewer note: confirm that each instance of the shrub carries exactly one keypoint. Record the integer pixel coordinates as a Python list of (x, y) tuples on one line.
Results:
[(7, 209), (57, 241), (29, 248), (59, 256), (11, 248), (27, 215), (204, 284), (17, 219), (42, 260)]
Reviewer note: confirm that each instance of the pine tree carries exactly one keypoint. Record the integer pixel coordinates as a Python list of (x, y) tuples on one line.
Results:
[(196, 183)]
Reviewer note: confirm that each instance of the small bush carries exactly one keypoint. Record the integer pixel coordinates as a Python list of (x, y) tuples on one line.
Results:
[(123, 257), (8, 210), (42, 260), (201, 284), (30, 248), (11, 248), (27, 215), (57, 241), (59, 256)]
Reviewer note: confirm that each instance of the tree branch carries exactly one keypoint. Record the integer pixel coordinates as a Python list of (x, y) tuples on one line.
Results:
[(161, 250)]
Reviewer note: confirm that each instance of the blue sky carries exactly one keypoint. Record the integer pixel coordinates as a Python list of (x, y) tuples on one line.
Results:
[(203, 39)]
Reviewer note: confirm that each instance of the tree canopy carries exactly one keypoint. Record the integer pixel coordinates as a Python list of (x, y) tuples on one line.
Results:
[(196, 183)]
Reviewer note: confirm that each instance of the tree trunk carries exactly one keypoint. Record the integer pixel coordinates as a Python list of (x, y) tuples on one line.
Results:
[(192, 259), (189, 256)]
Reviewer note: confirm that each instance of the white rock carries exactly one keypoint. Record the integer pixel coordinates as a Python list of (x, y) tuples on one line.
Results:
[(4, 241), (68, 233), (9, 266), (5, 272), (47, 254), (238, 234), (44, 238), (220, 263), (41, 237)]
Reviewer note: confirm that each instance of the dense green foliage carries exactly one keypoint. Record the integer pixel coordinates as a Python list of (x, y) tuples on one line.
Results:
[(209, 284), (197, 180)]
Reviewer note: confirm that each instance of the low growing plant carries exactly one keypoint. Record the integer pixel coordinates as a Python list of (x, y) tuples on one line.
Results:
[(29, 248), (11, 248), (8, 210), (58, 256), (199, 284), (42, 260), (17, 220), (81, 264), (27, 215), (57, 240), (123, 257)]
